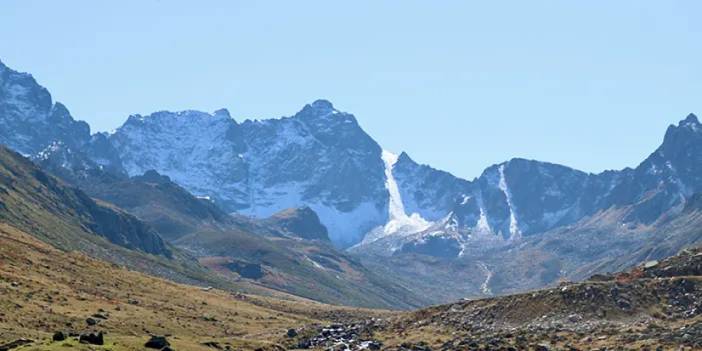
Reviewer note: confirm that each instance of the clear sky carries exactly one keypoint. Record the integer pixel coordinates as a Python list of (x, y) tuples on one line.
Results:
[(459, 85)]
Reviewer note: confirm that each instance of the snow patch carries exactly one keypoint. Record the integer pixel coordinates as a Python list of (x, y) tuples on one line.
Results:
[(483, 226), (485, 286), (315, 264), (399, 223), (346, 228), (514, 231)]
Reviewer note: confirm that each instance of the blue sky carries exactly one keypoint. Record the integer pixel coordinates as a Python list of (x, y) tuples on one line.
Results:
[(459, 85)]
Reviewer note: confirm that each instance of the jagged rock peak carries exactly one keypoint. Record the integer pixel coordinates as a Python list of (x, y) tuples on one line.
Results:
[(323, 105), (222, 113), (688, 127), (690, 120), (180, 119), (404, 157), (151, 176), (319, 108)]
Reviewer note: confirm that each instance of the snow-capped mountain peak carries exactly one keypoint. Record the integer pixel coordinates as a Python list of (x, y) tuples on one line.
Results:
[(320, 157), (29, 120), (315, 158)]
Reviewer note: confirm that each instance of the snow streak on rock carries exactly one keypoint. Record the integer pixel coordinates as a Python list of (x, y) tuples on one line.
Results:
[(399, 223), (514, 231), (485, 286)]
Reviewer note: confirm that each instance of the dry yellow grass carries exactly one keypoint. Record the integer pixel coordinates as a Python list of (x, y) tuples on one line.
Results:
[(43, 290)]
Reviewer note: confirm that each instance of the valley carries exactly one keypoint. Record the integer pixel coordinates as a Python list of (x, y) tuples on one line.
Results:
[(44, 291), (303, 232)]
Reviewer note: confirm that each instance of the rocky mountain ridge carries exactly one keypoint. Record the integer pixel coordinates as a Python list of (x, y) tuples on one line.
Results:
[(317, 158), (388, 208), (36, 201), (322, 158), (521, 198)]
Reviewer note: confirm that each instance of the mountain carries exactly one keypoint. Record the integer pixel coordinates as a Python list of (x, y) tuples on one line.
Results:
[(288, 251), (29, 120), (418, 225), (529, 224), (318, 158), (321, 158), (35, 202), (522, 198)]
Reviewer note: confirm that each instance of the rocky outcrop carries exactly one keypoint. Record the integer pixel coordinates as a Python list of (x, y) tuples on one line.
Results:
[(300, 222)]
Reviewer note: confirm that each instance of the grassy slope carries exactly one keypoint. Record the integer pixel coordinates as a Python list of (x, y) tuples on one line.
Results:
[(56, 290), (313, 269), (309, 268), (64, 217), (154, 199)]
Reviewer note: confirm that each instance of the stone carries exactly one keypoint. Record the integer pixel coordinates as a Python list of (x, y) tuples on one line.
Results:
[(650, 264), (15, 344), (212, 344), (100, 316), (157, 342), (92, 338), (59, 336)]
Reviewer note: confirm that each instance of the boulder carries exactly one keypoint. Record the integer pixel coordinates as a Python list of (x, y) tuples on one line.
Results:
[(92, 338), (59, 336), (157, 342)]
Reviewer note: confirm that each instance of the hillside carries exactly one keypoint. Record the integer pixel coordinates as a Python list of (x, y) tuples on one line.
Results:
[(275, 254), (153, 198), (38, 202), (66, 218), (597, 244), (289, 251), (655, 306), (44, 290)]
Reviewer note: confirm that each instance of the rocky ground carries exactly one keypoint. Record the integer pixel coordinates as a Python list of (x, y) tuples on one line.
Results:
[(656, 306)]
